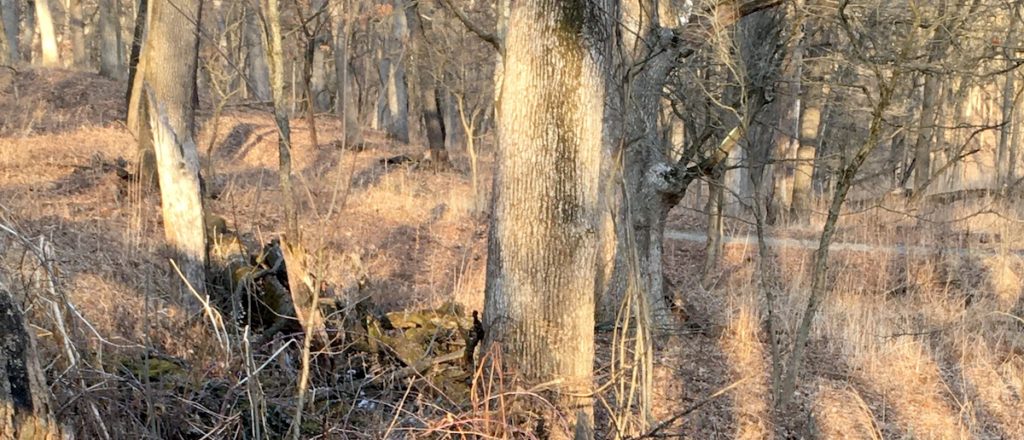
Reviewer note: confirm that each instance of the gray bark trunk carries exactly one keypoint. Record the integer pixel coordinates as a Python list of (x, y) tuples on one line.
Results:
[(539, 303), (171, 56), (430, 98), (77, 28), (256, 58), (11, 12), (393, 102), (345, 104), (111, 65)]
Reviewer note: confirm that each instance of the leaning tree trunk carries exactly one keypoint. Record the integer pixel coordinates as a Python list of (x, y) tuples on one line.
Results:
[(47, 36), (427, 86), (171, 56), (25, 408), (539, 303), (111, 65)]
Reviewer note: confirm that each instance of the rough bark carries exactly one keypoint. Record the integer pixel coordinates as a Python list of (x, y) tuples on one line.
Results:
[(138, 38), (11, 14), (111, 65), (430, 98), (539, 303), (77, 28), (47, 35), (25, 409), (172, 58), (713, 247)]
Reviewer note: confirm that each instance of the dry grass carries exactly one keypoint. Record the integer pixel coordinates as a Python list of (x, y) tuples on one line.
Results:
[(906, 346)]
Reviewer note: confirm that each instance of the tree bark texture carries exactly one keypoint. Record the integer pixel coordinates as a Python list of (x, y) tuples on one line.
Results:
[(275, 55), (539, 302), (77, 28), (11, 13), (25, 409), (171, 57), (111, 65)]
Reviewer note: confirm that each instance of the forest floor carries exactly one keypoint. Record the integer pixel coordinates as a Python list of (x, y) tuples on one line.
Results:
[(907, 344)]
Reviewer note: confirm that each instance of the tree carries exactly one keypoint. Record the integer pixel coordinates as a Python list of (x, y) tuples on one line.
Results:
[(77, 25), (393, 101), (11, 12), (539, 302), (25, 409), (344, 103), (429, 95), (171, 58), (47, 36), (111, 65)]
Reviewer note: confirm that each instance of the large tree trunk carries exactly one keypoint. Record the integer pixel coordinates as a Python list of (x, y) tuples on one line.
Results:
[(539, 303), (11, 12), (430, 98), (344, 103), (171, 56), (111, 65), (77, 27), (25, 409), (47, 35)]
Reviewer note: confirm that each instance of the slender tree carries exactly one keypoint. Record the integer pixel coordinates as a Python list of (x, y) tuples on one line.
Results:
[(10, 10)]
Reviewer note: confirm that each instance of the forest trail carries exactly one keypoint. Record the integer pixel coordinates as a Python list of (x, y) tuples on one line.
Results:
[(785, 242)]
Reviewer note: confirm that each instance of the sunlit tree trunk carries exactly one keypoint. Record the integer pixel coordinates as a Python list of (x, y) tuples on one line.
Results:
[(171, 55), (1004, 159), (47, 35), (539, 303), (810, 122)]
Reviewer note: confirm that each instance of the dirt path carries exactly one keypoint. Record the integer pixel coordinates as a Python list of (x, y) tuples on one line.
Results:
[(898, 249)]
